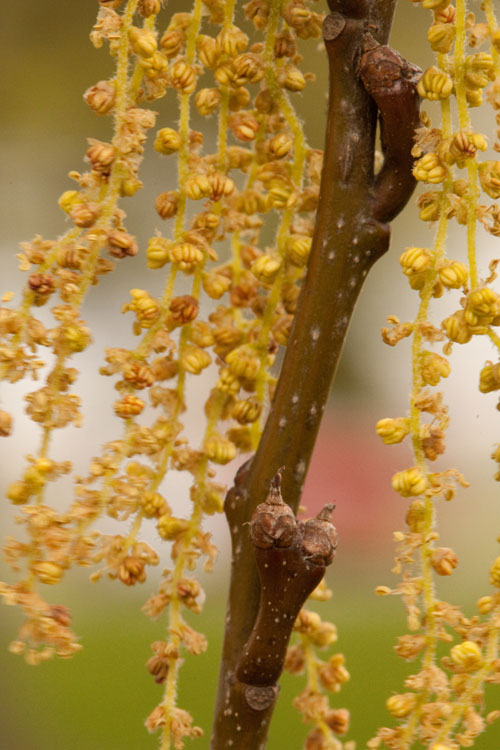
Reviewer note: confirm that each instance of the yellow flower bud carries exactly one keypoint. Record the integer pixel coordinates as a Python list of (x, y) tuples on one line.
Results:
[(146, 308), (281, 194), (444, 560), (441, 37), (435, 84), (208, 52), (154, 66), (266, 268), (401, 705), (101, 97), (5, 423), (68, 199), (292, 78), (479, 70), (485, 605), (166, 204), (298, 249), (495, 573), (85, 215), (244, 127), (430, 206), (221, 185), (76, 337), (244, 362), (197, 186), (18, 493), (410, 482), (143, 41), (474, 97), (172, 42), (194, 360), (215, 284), (228, 382), (231, 41), (453, 274), (212, 501), (220, 450), (169, 527), (416, 517), (429, 168), (248, 68), (187, 256), (128, 406), (489, 379), (280, 145), (183, 77), (467, 656), (247, 411), (456, 328), (158, 252), (207, 101), (167, 141), (435, 5), (489, 176), (433, 367), (393, 431), (482, 307), (414, 260), (153, 504), (495, 39), (47, 571)]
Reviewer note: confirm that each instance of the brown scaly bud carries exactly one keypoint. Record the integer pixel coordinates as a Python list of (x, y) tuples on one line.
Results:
[(273, 524), (112, 4), (183, 309), (319, 537)]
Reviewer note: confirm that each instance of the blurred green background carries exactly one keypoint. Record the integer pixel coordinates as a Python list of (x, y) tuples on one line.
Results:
[(100, 699)]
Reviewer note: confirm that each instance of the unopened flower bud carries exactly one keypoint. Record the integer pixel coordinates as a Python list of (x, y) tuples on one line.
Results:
[(393, 431), (166, 204), (410, 482), (444, 561), (167, 141), (467, 656), (101, 97), (220, 450)]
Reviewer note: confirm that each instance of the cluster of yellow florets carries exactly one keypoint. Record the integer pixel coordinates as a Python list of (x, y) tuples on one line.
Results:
[(441, 708), (216, 243)]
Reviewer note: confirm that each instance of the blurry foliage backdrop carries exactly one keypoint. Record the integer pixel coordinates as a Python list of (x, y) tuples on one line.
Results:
[(99, 700)]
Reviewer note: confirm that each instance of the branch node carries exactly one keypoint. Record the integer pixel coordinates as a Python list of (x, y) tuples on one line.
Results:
[(259, 697)]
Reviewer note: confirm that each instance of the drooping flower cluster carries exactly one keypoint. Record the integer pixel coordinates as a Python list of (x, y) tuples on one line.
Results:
[(261, 179), (444, 706)]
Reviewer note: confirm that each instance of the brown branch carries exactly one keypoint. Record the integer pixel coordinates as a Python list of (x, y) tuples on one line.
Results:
[(367, 81), (291, 559)]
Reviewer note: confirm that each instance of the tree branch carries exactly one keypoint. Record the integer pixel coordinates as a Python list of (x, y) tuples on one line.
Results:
[(291, 559), (351, 233)]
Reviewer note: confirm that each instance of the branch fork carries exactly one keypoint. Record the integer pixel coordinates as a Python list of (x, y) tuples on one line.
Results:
[(291, 558)]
